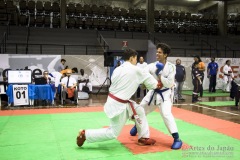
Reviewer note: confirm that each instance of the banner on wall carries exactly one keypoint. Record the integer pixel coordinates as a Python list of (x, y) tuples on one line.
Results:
[(93, 65)]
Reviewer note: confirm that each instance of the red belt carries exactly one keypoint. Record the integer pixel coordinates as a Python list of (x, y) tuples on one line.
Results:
[(131, 105)]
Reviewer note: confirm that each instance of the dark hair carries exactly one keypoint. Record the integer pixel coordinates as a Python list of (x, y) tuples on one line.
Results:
[(129, 53), (63, 60), (165, 48), (227, 61), (75, 69), (198, 57)]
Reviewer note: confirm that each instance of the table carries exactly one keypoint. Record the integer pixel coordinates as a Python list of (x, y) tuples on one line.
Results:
[(40, 92)]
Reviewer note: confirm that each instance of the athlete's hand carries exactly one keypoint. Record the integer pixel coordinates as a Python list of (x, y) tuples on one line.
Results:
[(160, 67), (159, 85)]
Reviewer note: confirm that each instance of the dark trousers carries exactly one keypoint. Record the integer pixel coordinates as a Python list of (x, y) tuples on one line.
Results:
[(139, 92), (64, 94), (201, 86), (212, 84), (196, 89)]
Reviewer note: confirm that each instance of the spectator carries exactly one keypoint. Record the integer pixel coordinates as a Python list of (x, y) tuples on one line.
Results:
[(47, 77), (180, 77), (141, 64), (212, 74), (69, 85), (84, 80), (61, 65)]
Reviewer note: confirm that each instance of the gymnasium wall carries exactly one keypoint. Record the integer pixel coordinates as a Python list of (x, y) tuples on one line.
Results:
[(94, 65)]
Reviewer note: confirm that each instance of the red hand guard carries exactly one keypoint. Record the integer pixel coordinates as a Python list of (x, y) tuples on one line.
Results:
[(159, 85)]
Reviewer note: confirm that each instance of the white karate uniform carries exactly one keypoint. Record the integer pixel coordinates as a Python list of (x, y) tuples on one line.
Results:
[(227, 78), (165, 107), (82, 78), (125, 80)]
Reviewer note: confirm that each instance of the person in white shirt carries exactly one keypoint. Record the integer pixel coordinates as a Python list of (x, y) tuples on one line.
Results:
[(162, 98), (118, 108), (84, 81), (141, 64), (69, 85), (227, 77)]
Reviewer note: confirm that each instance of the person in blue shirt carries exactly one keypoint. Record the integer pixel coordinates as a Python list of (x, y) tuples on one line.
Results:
[(212, 74), (180, 77)]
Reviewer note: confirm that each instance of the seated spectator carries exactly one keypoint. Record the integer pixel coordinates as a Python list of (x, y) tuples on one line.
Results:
[(69, 85), (84, 81), (47, 77)]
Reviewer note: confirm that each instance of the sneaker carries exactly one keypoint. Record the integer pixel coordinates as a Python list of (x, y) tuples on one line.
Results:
[(81, 138), (177, 144), (146, 141)]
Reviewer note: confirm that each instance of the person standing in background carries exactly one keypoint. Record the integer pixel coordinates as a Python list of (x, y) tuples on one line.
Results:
[(228, 76), (61, 65), (141, 64), (212, 74), (201, 68), (180, 77)]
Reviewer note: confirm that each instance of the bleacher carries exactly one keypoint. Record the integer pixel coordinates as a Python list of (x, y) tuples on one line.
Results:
[(188, 33)]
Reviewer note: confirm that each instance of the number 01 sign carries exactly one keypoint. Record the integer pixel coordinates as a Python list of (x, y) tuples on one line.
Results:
[(20, 95)]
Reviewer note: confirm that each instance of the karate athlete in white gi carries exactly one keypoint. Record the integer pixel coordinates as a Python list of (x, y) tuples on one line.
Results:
[(118, 108), (162, 98), (228, 76)]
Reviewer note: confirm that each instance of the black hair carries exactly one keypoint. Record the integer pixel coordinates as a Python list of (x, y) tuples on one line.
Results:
[(198, 57), (165, 48), (227, 61), (63, 60), (129, 53), (75, 69)]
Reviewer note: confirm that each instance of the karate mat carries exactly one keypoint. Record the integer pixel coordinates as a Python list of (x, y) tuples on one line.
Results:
[(218, 93), (218, 103), (51, 135)]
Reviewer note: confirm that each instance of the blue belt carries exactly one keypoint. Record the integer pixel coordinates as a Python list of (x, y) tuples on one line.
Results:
[(159, 92)]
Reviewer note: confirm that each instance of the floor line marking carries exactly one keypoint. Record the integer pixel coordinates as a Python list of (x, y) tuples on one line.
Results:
[(215, 109)]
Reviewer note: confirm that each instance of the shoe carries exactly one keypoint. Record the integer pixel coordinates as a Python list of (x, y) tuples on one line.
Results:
[(133, 131), (177, 144), (81, 138), (146, 141)]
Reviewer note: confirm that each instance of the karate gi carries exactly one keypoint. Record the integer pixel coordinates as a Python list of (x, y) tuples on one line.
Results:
[(227, 78), (165, 106), (125, 81)]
